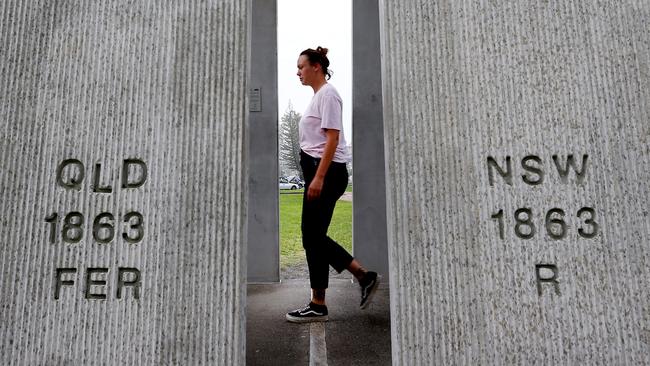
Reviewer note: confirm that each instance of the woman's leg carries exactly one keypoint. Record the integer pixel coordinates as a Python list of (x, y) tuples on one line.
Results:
[(322, 251), (357, 270), (318, 296), (316, 216)]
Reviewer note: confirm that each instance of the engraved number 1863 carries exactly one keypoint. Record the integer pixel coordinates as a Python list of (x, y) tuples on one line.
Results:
[(103, 227), (554, 223)]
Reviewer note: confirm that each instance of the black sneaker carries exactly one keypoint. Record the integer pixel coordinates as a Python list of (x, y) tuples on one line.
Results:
[(310, 313), (368, 288)]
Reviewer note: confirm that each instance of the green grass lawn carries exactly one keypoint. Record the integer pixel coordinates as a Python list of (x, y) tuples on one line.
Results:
[(291, 251)]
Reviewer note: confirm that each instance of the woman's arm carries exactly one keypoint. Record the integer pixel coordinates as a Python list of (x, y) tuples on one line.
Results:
[(316, 185)]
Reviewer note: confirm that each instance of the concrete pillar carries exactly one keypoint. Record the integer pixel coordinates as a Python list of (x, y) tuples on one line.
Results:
[(263, 215), (370, 241), (123, 182), (518, 172)]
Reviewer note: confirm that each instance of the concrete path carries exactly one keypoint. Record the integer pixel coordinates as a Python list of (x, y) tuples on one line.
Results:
[(350, 337)]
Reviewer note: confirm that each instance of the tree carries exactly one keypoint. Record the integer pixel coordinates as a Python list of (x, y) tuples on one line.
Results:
[(290, 140)]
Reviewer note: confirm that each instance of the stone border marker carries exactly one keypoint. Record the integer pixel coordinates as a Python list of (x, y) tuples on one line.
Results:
[(518, 175), (123, 191)]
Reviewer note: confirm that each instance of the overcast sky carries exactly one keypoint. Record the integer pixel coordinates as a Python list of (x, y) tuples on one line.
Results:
[(306, 24)]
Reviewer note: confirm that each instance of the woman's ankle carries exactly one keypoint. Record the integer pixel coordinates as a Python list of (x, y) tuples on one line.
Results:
[(318, 296), (357, 270)]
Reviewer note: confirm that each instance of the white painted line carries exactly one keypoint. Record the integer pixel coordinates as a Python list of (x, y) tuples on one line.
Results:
[(317, 346)]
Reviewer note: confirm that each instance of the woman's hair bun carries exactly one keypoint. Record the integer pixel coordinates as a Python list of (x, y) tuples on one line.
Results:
[(318, 56)]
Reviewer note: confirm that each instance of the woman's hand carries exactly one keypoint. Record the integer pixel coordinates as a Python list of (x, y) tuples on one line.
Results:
[(315, 187)]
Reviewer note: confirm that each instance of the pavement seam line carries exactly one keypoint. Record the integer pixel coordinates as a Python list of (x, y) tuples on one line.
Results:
[(317, 345)]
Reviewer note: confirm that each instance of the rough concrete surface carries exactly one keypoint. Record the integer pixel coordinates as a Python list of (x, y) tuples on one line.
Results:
[(353, 337), (537, 263), (91, 94)]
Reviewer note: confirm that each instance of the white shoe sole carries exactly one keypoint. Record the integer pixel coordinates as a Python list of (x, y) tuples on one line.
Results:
[(311, 319)]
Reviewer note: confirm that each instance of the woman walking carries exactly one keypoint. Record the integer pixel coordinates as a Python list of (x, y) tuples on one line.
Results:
[(323, 159)]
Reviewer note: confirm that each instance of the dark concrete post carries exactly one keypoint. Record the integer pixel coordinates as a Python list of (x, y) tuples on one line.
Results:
[(370, 243), (263, 220)]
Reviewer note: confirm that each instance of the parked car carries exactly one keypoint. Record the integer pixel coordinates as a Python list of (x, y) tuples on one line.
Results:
[(296, 180), (285, 184)]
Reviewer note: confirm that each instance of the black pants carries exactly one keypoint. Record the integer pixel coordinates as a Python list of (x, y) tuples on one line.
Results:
[(321, 250)]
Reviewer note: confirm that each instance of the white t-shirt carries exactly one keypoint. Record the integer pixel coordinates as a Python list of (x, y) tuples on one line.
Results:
[(324, 112)]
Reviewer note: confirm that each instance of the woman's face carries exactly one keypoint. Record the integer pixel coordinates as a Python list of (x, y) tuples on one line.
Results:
[(307, 72)]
